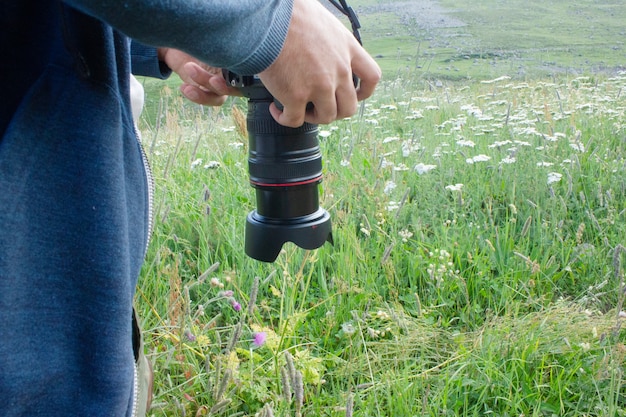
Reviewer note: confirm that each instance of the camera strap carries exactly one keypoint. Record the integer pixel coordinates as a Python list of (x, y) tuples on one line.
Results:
[(343, 7)]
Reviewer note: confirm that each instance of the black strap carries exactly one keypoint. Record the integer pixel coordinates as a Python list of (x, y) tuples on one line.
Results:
[(343, 7)]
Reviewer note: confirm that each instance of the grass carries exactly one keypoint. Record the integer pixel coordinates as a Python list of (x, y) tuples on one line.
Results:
[(477, 266), (517, 38)]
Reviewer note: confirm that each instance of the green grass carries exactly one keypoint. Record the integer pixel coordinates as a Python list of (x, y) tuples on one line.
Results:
[(517, 38), (500, 296)]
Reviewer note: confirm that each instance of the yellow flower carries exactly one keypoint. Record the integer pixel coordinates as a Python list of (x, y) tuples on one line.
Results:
[(203, 340)]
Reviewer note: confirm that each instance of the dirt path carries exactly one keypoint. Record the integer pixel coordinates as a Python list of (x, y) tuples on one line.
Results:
[(426, 14)]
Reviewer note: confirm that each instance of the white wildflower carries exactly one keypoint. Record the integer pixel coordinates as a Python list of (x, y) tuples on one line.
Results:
[(383, 315), (466, 143), (391, 139), (554, 177), (405, 234), (348, 328), (196, 163), (415, 114), (424, 168), (455, 187), (472, 110), (393, 205), (478, 158), (212, 165), (409, 147), (389, 187), (324, 133), (580, 147), (499, 144)]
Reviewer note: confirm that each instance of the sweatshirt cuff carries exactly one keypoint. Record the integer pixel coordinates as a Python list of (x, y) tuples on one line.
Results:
[(270, 48), (144, 61)]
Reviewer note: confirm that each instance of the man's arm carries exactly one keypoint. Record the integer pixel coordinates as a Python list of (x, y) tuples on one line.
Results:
[(302, 53), (244, 36)]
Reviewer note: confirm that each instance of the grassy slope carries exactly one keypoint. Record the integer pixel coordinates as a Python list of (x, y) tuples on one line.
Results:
[(521, 39), (517, 38), (500, 298)]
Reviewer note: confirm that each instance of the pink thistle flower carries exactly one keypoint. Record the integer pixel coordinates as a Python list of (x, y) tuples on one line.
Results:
[(235, 304), (259, 339)]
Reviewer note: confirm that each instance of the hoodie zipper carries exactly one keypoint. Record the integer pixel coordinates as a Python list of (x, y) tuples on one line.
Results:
[(150, 187), (150, 184), (135, 390)]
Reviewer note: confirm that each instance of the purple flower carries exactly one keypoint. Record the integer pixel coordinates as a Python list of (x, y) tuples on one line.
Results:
[(235, 304), (259, 339), (190, 336)]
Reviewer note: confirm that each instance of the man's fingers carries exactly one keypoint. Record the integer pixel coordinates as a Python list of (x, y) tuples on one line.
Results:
[(201, 96), (289, 116), (322, 110), (205, 86), (347, 100), (369, 74)]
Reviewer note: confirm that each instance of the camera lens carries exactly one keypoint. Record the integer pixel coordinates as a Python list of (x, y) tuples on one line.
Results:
[(285, 167)]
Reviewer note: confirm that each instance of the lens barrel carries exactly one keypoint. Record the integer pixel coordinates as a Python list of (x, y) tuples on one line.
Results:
[(285, 167)]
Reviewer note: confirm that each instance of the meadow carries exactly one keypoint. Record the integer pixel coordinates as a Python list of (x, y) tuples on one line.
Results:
[(466, 40), (478, 223)]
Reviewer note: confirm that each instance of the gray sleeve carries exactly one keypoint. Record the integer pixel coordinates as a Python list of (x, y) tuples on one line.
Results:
[(244, 36)]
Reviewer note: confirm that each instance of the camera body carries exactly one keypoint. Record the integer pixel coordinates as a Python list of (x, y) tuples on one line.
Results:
[(285, 168)]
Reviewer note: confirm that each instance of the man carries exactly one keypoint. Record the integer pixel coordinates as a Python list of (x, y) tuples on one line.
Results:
[(75, 210)]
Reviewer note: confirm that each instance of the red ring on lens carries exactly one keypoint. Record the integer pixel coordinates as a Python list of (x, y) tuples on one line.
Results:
[(289, 184)]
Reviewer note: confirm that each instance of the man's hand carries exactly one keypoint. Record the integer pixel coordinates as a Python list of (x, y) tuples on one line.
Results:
[(316, 65), (202, 84)]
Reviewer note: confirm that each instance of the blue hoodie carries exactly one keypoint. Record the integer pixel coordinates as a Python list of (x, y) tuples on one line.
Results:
[(74, 193)]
